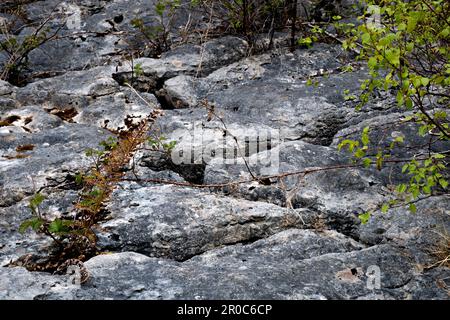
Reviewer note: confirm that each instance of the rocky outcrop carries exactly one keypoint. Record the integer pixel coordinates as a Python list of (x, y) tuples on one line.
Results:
[(176, 223), (294, 264), (187, 224)]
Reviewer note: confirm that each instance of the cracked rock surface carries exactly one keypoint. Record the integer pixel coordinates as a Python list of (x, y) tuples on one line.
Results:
[(300, 239)]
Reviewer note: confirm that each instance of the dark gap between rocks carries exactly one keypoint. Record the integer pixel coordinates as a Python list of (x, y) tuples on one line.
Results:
[(148, 83), (193, 173), (65, 114)]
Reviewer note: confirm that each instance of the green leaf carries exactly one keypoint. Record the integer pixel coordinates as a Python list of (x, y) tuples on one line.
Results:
[(409, 104), (55, 226), (359, 153), (415, 191), (401, 188), (393, 56), (344, 143), (379, 162), (412, 208), (413, 19), (443, 183), (427, 189), (34, 223), (424, 81), (401, 27), (308, 41), (372, 63), (387, 40), (365, 217), (385, 208), (365, 38), (59, 226), (79, 179), (365, 136), (400, 99), (36, 200), (367, 162), (423, 130), (160, 7)]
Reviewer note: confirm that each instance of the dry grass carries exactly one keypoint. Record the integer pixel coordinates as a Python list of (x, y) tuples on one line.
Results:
[(441, 251), (103, 179), (319, 224)]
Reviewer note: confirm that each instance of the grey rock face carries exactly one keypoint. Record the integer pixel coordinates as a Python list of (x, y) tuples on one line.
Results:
[(251, 272), (19, 284), (31, 119), (177, 223), (54, 152), (188, 59), (209, 57), (6, 88), (90, 33), (7, 95), (89, 97), (295, 237), (423, 229), (273, 91), (113, 111), (340, 195), (95, 82), (279, 267)]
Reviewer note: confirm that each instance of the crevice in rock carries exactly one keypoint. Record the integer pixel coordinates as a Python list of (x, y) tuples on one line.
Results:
[(254, 239), (9, 120), (65, 114), (143, 83), (148, 83), (161, 95), (80, 244), (11, 200), (401, 285), (243, 242), (193, 173)]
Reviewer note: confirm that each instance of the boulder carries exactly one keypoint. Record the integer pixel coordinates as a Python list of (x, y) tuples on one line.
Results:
[(273, 268), (179, 223)]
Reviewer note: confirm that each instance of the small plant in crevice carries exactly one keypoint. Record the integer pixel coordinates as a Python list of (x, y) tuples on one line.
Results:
[(75, 238), (39, 223), (157, 35), (66, 234), (17, 49), (160, 143)]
